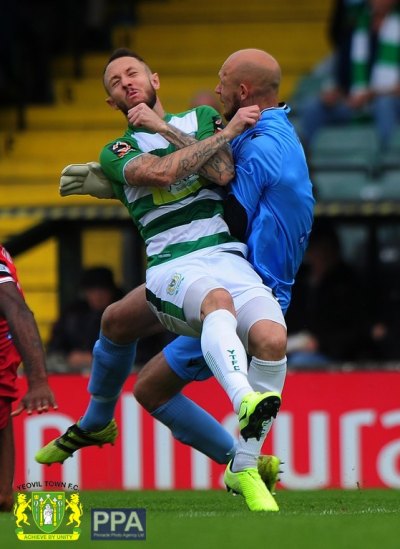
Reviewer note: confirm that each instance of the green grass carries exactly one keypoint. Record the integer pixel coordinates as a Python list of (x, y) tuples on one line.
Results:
[(362, 519)]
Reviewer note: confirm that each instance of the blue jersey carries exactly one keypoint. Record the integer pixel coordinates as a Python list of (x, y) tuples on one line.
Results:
[(272, 184)]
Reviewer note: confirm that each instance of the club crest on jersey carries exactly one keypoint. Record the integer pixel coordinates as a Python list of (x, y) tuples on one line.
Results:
[(174, 284), (120, 148)]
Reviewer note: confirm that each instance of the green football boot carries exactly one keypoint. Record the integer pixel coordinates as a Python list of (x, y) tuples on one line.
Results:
[(250, 485), (75, 438), (269, 468), (256, 409)]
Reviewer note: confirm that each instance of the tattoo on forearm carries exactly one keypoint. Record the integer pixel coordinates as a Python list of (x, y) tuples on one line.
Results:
[(221, 163), (178, 138), (149, 170)]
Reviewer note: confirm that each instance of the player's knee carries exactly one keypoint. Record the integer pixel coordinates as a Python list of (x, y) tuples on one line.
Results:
[(276, 346), (114, 324), (109, 320), (217, 299), (269, 344)]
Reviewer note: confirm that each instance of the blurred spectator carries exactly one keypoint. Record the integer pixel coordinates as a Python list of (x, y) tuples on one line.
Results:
[(365, 79), (386, 329), (74, 334), (341, 26), (77, 329), (385, 335), (326, 320), (205, 97)]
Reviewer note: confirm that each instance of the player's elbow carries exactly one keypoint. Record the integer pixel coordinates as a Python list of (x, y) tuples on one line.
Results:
[(225, 175), (226, 178)]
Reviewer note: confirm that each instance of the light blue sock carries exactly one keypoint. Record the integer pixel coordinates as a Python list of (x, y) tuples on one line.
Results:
[(111, 366), (194, 426)]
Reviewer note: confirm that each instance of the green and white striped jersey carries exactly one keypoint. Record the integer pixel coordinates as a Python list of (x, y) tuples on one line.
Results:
[(383, 74), (182, 218)]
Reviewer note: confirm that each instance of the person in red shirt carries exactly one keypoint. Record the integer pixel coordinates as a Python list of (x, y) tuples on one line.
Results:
[(19, 342)]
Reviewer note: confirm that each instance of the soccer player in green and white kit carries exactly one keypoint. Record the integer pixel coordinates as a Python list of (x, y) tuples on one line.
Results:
[(197, 279), (195, 267)]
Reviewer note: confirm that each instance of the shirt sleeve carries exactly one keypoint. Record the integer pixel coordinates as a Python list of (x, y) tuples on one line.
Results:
[(115, 156), (209, 122)]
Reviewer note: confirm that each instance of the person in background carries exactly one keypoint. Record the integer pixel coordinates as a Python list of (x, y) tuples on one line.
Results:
[(366, 76), (341, 26), (76, 331), (326, 320), (19, 341)]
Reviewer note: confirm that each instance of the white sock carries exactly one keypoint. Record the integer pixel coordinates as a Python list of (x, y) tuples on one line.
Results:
[(267, 375), (264, 376), (225, 355), (247, 452)]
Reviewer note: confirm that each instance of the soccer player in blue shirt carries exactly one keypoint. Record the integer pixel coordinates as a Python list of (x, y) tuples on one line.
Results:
[(270, 206)]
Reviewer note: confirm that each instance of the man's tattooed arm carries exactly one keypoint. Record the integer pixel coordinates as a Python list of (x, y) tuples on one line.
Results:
[(150, 170), (153, 171), (219, 168)]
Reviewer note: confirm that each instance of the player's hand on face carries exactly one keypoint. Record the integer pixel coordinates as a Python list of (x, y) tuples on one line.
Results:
[(143, 116), (39, 398), (245, 118)]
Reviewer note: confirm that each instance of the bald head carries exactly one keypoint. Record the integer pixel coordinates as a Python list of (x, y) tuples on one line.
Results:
[(257, 70)]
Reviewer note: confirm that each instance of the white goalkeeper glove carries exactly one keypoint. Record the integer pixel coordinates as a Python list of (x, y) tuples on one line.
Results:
[(85, 179)]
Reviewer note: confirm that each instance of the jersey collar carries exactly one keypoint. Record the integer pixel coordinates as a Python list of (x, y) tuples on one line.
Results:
[(281, 107)]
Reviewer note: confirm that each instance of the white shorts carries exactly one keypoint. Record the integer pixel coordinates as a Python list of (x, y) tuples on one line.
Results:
[(176, 289)]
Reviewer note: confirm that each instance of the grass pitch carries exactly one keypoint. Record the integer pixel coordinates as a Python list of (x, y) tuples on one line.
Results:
[(331, 519)]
